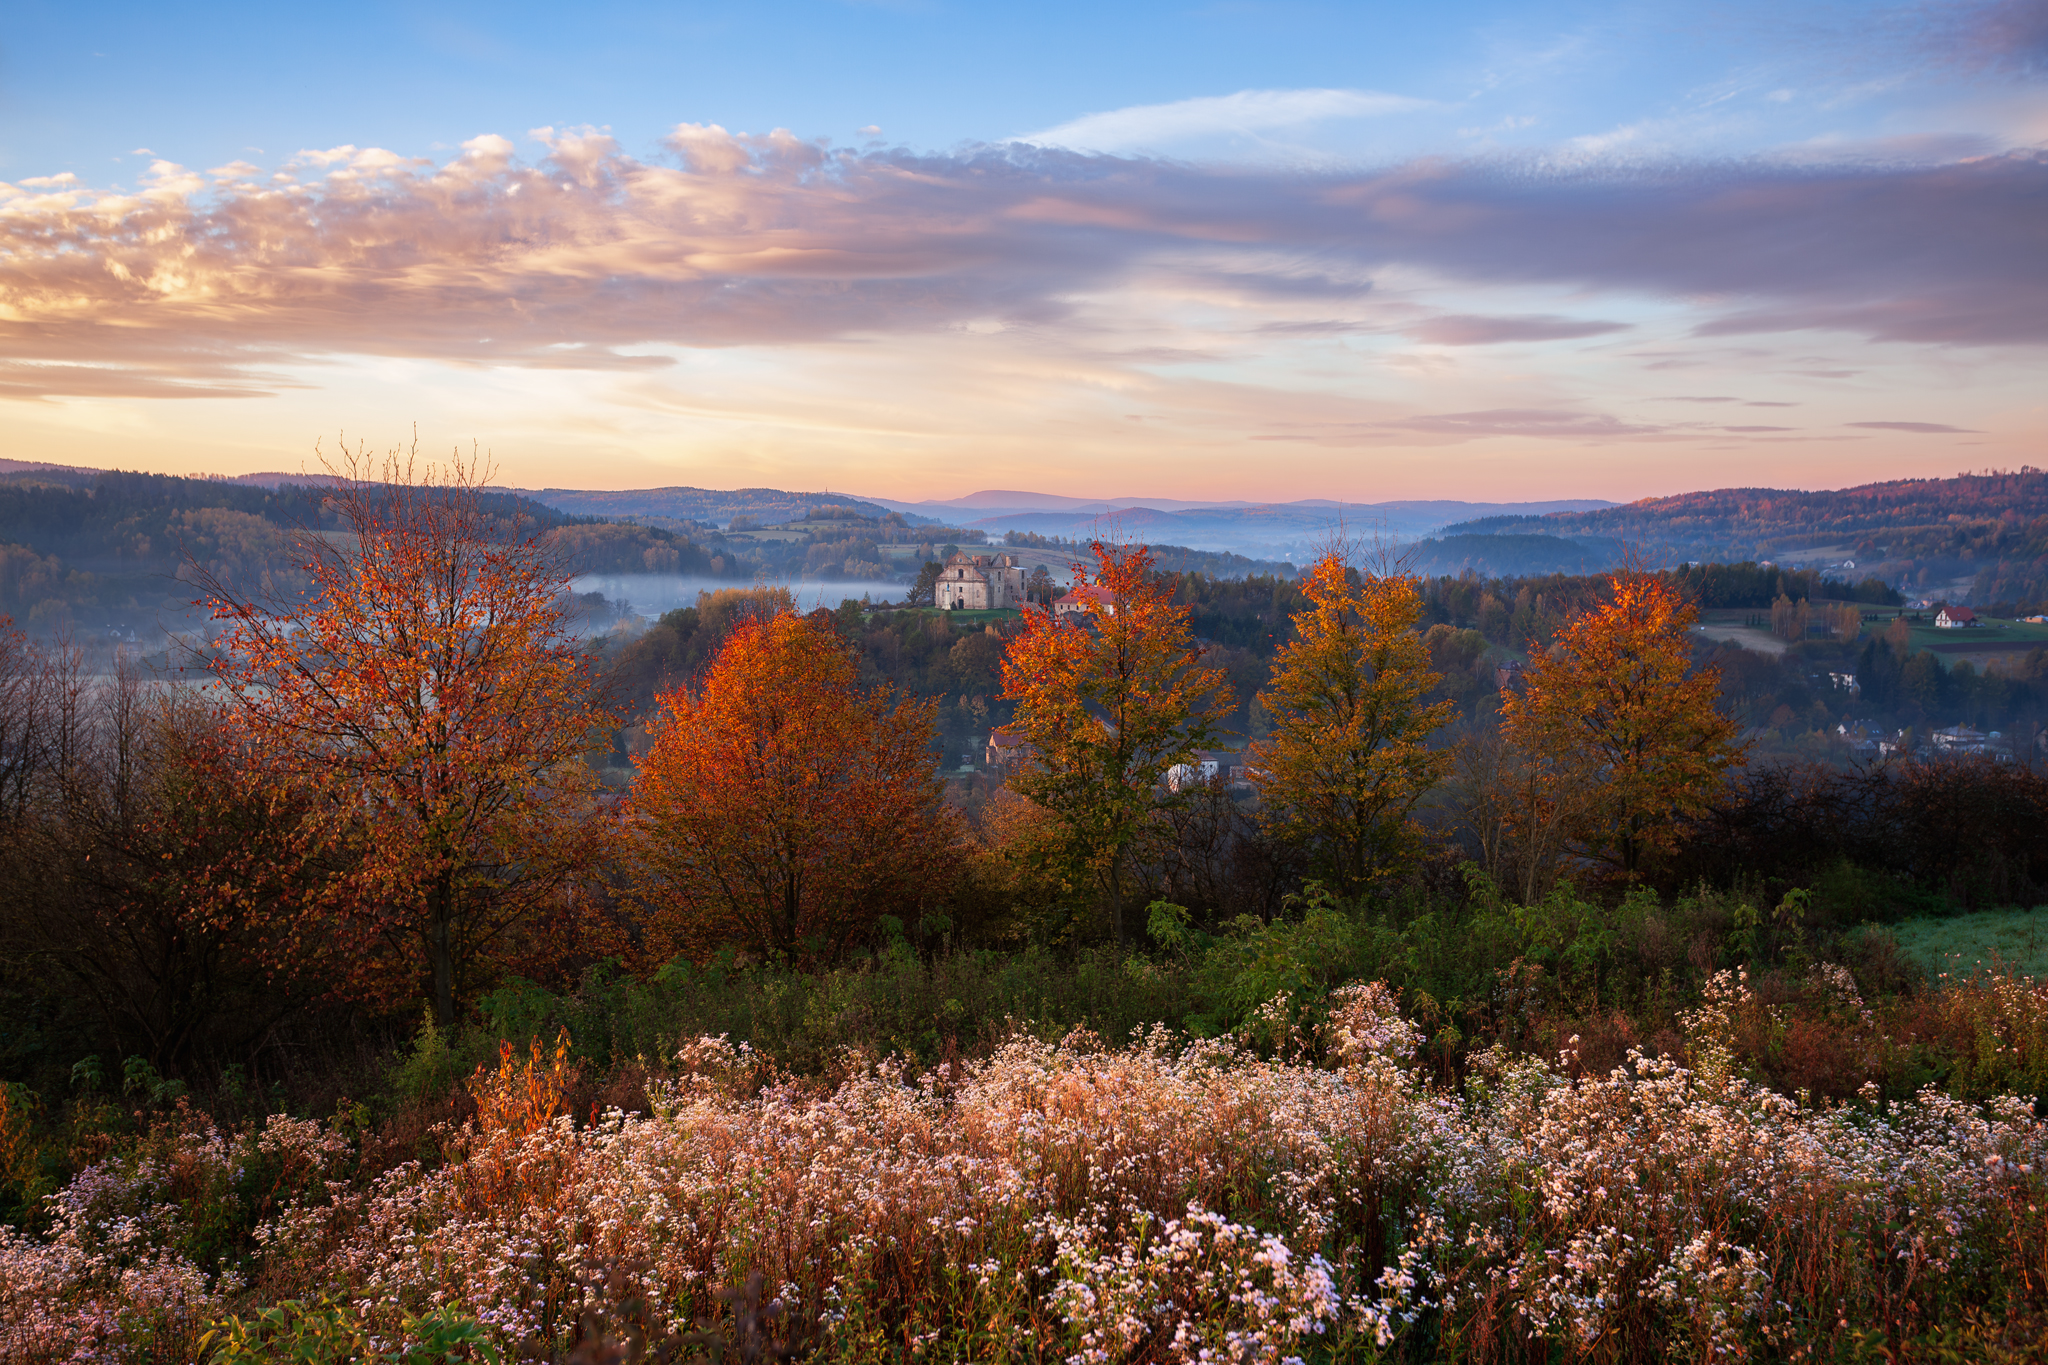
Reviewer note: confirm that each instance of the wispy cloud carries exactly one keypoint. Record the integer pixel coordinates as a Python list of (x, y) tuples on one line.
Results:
[(1468, 330), (589, 258), (1145, 126), (1547, 424), (1921, 428)]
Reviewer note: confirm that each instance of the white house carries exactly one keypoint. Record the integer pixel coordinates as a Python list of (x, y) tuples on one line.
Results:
[(1955, 618), (1208, 765)]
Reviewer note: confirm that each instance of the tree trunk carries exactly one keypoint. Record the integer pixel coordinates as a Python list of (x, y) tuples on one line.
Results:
[(440, 910), (791, 916), (1116, 898)]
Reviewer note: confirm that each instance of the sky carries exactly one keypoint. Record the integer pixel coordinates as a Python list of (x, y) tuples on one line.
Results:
[(1236, 250)]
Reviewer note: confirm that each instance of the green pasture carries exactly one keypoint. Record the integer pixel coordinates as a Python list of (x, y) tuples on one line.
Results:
[(1960, 945), (977, 618), (1994, 636), (965, 618), (1992, 632)]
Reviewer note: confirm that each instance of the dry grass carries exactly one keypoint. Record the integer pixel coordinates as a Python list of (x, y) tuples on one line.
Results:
[(1165, 1201)]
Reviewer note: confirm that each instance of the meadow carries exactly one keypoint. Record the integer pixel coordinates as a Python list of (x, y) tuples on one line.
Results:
[(1168, 1199), (963, 1155)]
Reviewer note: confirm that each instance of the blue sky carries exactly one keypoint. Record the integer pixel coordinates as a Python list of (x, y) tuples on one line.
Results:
[(1228, 250), (202, 85)]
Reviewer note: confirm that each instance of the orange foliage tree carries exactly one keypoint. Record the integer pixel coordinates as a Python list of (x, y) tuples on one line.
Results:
[(427, 689), (1616, 726), (783, 806), (1347, 759), (1109, 707)]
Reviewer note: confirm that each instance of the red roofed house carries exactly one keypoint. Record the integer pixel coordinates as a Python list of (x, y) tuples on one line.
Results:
[(1005, 749), (1954, 618), (1074, 606)]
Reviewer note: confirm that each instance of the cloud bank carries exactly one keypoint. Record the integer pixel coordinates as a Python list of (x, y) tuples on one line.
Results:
[(588, 258)]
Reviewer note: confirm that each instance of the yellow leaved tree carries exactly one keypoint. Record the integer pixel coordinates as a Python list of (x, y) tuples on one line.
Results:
[(1108, 706), (1348, 758)]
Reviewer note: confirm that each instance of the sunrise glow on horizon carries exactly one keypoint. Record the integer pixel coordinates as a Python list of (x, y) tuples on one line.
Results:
[(1267, 252)]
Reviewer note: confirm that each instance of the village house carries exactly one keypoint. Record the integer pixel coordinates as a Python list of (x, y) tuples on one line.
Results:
[(1955, 618), (979, 583), (1208, 765), (1074, 606), (1966, 739), (1005, 750)]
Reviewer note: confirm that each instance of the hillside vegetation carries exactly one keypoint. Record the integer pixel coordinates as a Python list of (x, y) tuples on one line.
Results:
[(1992, 527), (83, 549)]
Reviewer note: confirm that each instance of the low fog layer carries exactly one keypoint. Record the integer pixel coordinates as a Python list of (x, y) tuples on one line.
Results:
[(650, 594)]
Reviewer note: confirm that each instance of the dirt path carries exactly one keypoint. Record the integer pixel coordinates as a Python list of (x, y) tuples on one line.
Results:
[(1749, 637)]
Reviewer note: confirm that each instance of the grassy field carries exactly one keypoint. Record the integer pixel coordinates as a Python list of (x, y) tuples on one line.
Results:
[(968, 619), (1981, 643), (1961, 945), (1735, 632), (1996, 634)]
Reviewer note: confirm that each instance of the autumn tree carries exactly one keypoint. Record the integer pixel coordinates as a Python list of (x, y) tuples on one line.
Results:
[(1109, 706), (782, 805), (1616, 726), (1347, 758), (427, 689)]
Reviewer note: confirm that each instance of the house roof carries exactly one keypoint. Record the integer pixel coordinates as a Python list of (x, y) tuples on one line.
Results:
[(1959, 613), (1087, 592)]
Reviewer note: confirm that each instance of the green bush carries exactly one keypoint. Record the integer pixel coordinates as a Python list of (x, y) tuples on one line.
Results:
[(330, 1332)]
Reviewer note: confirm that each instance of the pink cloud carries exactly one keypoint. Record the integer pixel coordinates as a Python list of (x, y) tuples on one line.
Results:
[(1920, 428), (589, 258), (1555, 425)]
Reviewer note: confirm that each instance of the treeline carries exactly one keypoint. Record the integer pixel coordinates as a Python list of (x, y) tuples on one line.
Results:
[(1505, 554), (1922, 532), (1900, 508), (1761, 585), (1914, 688), (1471, 625), (1241, 623), (1179, 559), (1883, 841), (79, 549), (705, 507)]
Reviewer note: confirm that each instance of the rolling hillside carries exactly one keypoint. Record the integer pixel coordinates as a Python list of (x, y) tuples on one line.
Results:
[(1983, 537)]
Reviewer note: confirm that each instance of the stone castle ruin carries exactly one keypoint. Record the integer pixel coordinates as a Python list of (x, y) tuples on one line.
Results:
[(979, 583)]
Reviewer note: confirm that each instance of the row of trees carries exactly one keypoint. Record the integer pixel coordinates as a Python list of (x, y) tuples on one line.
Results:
[(387, 783), (786, 807), (1794, 621)]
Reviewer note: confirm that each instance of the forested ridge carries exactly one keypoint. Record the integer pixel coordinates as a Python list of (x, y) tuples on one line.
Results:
[(1993, 526), (86, 548)]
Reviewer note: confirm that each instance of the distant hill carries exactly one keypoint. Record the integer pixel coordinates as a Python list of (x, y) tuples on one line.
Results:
[(769, 506), (1292, 531), (89, 549), (1985, 534), (1506, 555), (993, 502)]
